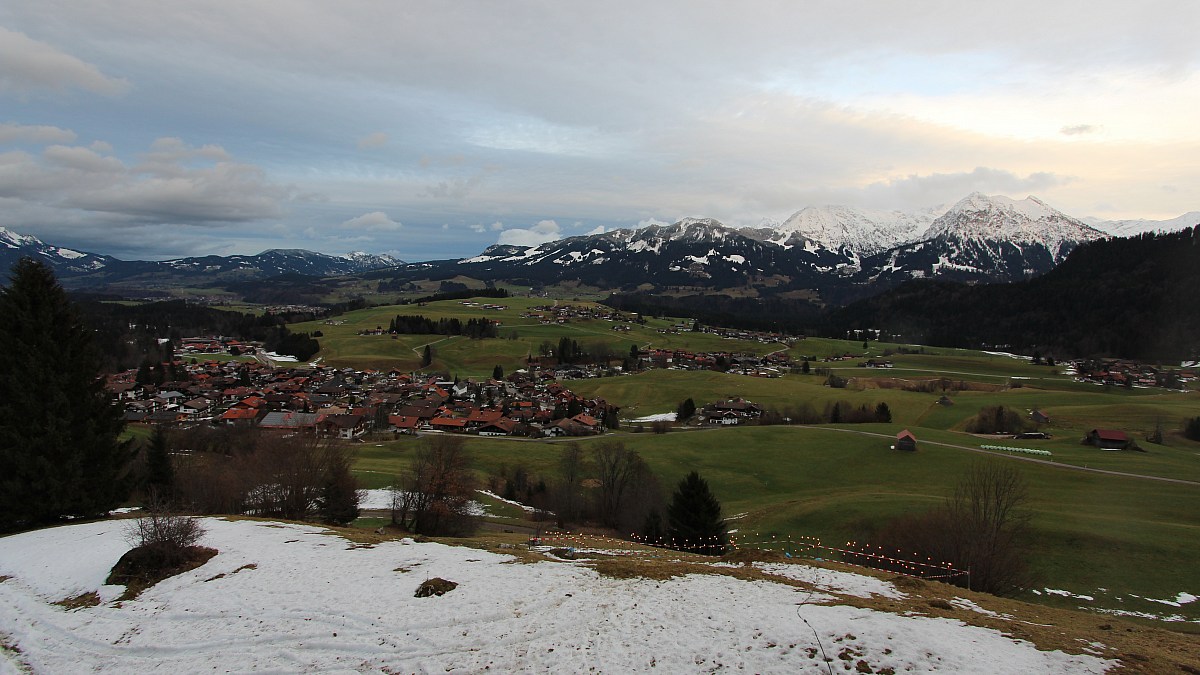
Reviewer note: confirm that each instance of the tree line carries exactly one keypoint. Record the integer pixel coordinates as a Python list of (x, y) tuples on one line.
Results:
[(416, 324)]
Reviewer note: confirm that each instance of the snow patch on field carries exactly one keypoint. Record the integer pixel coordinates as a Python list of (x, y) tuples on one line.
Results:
[(314, 602), (661, 417)]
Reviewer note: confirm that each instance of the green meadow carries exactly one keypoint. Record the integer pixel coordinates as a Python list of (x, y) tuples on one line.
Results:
[(519, 337)]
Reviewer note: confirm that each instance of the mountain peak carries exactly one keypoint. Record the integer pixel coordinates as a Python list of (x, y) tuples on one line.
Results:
[(979, 217)]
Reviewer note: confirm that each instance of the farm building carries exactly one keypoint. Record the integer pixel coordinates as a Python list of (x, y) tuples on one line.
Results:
[(906, 441), (1108, 439)]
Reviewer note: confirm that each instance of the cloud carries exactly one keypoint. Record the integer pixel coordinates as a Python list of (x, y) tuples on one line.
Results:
[(540, 233), (173, 183), (942, 188), (27, 65), (478, 227), (599, 229), (1078, 129), (21, 133), (372, 141), (376, 221)]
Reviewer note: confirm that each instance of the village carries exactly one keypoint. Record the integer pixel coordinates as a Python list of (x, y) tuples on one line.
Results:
[(347, 404)]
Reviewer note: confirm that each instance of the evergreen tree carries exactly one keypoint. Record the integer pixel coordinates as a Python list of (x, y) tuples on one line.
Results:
[(685, 410), (427, 357), (883, 413), (59, 448), (805, 367), (498, 372), (160, 474), (694, 518)]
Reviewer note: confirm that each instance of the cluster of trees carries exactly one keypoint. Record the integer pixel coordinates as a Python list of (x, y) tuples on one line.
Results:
[(232, 470), (982, 529), (998, 419), (128, 335), (415, 324), (834, 412), (457, 294), (608, 486), (769, 313), (1191, 429)]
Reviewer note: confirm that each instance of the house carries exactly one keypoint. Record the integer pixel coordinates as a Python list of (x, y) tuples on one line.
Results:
[(239, 416), (906, 441), (1039, 417), (500, 427), (1108, 439), (452, 424), (289, 421), (345, 426), (404, 424)]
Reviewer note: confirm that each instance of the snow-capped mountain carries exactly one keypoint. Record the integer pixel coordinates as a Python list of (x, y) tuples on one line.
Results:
[(1132, 228), (75, 268), (691, 252), (986, 238), (15, 246), (860, 232), (277, 261)]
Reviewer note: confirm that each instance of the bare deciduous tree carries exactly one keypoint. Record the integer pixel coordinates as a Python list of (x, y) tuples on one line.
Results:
[(433, 496)]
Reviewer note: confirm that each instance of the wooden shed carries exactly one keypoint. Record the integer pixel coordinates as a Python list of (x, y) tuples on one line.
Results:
[(906, 441)]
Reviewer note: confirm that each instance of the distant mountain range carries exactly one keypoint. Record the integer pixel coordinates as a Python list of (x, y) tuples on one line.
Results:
[(832, 254), (75, 268)]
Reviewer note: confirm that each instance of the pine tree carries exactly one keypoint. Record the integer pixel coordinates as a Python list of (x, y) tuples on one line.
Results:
[(883, 413), (160, 475), (427, 356), (694, 518), (498, 372), (59, 448), (685, 410)]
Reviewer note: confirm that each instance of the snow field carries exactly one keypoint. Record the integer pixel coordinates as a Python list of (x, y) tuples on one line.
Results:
[(314, 602)]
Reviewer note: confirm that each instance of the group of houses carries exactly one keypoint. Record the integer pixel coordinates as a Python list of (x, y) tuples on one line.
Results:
[(1126, 373), (347, 403)]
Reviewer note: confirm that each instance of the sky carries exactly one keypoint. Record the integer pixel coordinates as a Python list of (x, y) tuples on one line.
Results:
[(427, 130)]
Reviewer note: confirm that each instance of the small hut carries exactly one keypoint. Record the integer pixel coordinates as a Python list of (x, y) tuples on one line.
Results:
[(945, 401), (906, 441)]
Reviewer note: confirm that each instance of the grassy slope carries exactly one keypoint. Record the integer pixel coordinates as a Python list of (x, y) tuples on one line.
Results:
[(519, 337)]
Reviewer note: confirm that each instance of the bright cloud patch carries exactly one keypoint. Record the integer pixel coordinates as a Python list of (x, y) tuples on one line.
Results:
[(374, 221), (542, 232)]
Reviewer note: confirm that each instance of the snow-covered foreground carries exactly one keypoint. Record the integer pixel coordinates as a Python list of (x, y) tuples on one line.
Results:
[(290, 598)]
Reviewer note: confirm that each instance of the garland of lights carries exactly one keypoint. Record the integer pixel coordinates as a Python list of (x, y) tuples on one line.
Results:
[(852, 552)]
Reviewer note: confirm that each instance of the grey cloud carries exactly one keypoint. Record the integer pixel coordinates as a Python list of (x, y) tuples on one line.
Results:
[(1078, 129), (940, 188), (21, 133), (168, 187), (28, 65)]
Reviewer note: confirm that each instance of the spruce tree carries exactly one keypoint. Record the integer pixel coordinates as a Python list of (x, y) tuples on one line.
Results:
[(694, 520), (160, 474), (59, 449)]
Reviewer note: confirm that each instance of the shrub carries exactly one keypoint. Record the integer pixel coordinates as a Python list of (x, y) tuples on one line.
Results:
[(997, 419), (1192, 429)]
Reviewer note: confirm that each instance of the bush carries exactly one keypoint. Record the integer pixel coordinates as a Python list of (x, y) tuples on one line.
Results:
[(997, 420), (1192, 429), (164, 544), (163, 527)]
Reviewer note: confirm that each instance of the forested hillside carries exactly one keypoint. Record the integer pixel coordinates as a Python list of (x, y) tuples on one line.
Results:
[(1137, 297)]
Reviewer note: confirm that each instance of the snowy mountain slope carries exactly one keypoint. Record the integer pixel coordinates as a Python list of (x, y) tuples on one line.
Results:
[(1132, 228), (15, 246), (854, 230), (292, 598), (691, 252), (984, 238)]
